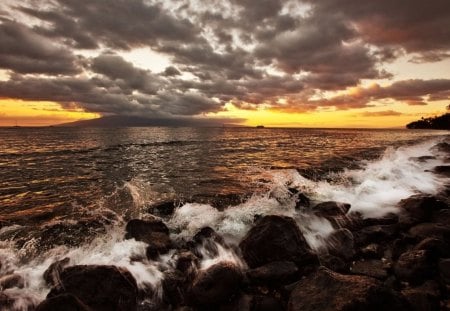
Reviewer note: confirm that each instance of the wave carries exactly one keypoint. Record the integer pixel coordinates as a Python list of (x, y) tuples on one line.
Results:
[(373, 190)]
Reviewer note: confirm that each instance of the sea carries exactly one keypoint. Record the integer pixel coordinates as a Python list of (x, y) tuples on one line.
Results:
[(69, 192)]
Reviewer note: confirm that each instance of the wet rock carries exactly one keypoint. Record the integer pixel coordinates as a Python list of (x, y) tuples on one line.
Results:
[(274, 273), (175, 285), (388, 219), (415, 267), (53, 272), (66, 302), (375, 234), (164, 208), (373, 268), (418, 208), (334, 263), (6, 302), (301, 200), (371, 251), (207, 240), (101, 288), (443, 147), (441, 217), (340, 243), (331, 209), (442, 170), (152, 231), (401, 245), (423, 158), (435, 246), (141, 230), (330, 291), (423, 298), (11, 280), (426, 230), (275, 238), (215, 285), (444, 270), (266, 303), (186, 261)]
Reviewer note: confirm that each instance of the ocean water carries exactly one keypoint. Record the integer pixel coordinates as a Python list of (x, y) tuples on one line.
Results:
[(68, 192)]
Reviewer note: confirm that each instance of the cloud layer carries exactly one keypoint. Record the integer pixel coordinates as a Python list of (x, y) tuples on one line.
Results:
[(280, 54)]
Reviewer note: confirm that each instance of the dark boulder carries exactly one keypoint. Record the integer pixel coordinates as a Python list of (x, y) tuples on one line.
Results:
[(441, 217), (101, 288), (175, 286), (275, 238), (430, 230), (341, 243), (330, 209), (266, 303), (388, 219), (375, 234), (444, 270), (274, 273), (435, 246), (63, 302), (11, 280), (186, 261), (418, 208), (423, 298), (163, 208), (415, 267), (442, 170), (206, 242), (374, 268), (371, 251), (152, 231), (215, 285), (334, 263), (53, 272), (330, 291)]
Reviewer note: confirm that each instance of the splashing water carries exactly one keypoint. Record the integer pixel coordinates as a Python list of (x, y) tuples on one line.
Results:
[(372, 190)]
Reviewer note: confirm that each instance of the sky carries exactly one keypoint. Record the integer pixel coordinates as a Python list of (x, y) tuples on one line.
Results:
[(303, 63)]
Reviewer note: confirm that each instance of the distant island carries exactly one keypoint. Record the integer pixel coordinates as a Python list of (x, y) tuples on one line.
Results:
[(436, 123)]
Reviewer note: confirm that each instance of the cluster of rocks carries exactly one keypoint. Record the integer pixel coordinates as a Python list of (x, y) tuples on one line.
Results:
[(397, 262)]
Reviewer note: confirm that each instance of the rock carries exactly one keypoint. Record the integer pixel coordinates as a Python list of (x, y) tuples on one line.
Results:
[(340, 243), (141, 230), (164, 208), (215, 285), (266, 303), (206, 240), (435, 246), (275, 238), (430, 230), (444, 270), (441, 217), (423, 298), (330, 291), (11, 280), (53, 272), (331, 209), (63, 302), (371, 251), (388, 219), (375, 234), (6, 302), (373, 268), (301, 200), (101, 288), (152, 231), (414, 267), (175, 285), (403, 244), (186, 261), (442, 170), (274, 273), (422, 158), (334, 263), (418, 208)]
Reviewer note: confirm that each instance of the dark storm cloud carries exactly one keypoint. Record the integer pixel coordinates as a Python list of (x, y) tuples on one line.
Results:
[(282, 54), (24, 51), (121, 24), (126, 74), (415, 25)]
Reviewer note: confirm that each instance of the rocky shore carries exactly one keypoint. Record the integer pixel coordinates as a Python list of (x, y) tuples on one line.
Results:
[(400, 261)]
